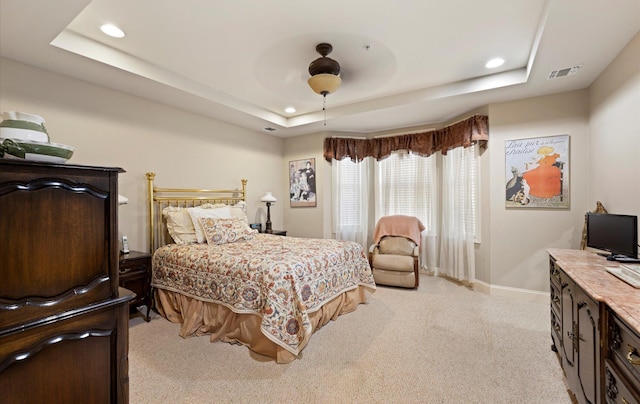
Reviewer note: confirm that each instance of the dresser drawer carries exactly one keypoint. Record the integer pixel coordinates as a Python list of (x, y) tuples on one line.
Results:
[(616, 389), (70, 360), (554, 273), (555, 297), (624, 350), (556, 330)]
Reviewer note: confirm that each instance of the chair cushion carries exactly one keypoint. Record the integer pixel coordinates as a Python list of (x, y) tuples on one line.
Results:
[(390, 262), (396, 245), (395, 278)]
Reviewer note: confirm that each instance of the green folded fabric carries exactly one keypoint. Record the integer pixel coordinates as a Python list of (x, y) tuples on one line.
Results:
[(18, 124), (20, 149)]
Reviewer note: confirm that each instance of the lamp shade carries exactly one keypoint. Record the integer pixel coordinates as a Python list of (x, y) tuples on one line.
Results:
[(122, 200), (324, 83), (268, 197)]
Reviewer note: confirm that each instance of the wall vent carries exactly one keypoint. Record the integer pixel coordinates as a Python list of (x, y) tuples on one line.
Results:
[(568, 71)]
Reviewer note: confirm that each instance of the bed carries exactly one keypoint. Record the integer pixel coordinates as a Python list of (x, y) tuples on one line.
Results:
[(264, 291)]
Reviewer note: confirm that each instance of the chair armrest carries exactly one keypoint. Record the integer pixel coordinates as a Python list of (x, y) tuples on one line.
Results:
[(416, 251), (372, 248)]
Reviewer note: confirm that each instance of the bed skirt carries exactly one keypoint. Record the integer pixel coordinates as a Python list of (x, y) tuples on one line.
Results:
[(204, 318)]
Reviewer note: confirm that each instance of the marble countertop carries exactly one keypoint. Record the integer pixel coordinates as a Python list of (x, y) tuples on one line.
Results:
[(587, 269)]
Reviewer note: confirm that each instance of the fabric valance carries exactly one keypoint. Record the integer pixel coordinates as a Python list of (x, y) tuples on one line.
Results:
[(460, 134)]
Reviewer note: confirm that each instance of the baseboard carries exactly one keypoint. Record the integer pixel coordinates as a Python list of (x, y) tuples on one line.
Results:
[(506, 291)]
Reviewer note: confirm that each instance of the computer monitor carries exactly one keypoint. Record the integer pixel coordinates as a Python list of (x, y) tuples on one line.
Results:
[(617, 234)]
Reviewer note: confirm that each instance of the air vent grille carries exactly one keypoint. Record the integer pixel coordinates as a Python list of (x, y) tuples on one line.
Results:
[(567, 71)]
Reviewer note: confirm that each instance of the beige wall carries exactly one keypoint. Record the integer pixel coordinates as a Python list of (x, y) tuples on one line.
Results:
[(307, 221), (519, 237), (604, 124), (615, 133), (110, 128)]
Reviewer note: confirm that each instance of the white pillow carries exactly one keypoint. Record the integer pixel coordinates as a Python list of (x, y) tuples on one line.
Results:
[(238, 211), (180, 225), (203, 213)]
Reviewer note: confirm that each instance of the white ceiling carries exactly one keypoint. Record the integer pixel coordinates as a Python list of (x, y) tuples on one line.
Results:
[(244, 61)]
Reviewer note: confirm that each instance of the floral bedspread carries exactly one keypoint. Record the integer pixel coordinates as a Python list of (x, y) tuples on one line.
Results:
[(280, 278)]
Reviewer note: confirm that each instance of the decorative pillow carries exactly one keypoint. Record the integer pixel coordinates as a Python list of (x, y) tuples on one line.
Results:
[(223, 231), (179, 223), (203, 213)]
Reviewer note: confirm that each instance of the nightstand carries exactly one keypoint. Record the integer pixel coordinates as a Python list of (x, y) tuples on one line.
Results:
[(276, 232), (135, 275)]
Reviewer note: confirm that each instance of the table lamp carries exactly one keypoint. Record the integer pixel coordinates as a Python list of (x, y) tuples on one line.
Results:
[(269, 199)]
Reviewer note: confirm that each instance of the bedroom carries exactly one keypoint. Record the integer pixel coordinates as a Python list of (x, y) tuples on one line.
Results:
[(112, 128)]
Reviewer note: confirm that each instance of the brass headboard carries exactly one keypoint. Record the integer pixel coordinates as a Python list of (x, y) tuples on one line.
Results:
[(160, 198)]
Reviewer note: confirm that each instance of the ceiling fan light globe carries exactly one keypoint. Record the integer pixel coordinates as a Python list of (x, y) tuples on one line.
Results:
[(324, 83)]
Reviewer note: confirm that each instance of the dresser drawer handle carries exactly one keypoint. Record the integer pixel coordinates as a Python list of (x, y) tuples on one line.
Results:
[(633, 356)]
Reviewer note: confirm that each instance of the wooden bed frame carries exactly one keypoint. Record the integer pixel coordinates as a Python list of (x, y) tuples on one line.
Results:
[(160, 198)]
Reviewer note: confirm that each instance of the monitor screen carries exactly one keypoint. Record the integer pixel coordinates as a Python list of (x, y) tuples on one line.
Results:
[(617, 234)]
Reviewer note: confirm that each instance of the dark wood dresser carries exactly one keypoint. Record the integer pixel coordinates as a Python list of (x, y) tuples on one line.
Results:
[(595, 328), (63, 317)]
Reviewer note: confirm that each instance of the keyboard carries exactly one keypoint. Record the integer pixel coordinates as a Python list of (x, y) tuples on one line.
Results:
[(633, 267), (627, 273)]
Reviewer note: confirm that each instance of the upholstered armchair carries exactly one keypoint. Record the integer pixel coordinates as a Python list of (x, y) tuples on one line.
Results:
[(394, 256)]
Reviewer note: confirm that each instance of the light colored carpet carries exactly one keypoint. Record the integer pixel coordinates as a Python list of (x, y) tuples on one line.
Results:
[(440, 344)]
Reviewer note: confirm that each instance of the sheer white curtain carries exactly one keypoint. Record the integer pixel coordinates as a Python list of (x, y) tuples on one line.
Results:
[(406, 185), (459, 213), (442, 191), (350, 200)]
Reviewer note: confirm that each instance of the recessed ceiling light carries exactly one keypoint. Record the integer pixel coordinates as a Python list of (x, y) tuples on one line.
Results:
[(495, 62), (112, 30), (289, 110)]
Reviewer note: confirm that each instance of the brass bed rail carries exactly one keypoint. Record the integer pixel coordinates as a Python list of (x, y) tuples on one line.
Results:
[(160, 198)]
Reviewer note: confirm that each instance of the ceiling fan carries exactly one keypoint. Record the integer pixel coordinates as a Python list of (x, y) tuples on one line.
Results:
[(324, 71)]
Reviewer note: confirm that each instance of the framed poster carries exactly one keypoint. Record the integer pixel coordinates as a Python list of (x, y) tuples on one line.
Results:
[(302, 183), (537, 172)]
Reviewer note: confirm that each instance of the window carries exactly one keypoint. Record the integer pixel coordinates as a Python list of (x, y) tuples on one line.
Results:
[(346, 207), (441, 190), (406, 186)]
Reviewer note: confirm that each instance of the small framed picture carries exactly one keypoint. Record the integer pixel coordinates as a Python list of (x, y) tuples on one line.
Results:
[(302, 183)]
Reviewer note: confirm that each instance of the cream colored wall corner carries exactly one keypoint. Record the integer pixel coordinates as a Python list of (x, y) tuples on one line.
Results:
[(111, 128), (307, 221), (519, 237), (614, 123)]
